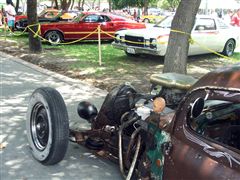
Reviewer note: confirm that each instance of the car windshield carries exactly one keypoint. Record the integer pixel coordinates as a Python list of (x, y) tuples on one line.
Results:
[(42, 13), (78, 18), (165, 23)]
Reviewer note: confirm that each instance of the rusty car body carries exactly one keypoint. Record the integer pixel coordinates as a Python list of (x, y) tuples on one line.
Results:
[(146, 134)]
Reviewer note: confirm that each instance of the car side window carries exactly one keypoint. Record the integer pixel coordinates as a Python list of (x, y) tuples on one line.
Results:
[(219, 122), (92, 18), (205, 24), (106, 18), (221, 24)]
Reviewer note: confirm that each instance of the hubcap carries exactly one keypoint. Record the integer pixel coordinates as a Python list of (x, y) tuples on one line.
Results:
[(39, 126), (53, 37)]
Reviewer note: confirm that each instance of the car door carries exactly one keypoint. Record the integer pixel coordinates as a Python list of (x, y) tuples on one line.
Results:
[(203, 147), (205, 35), (108, 27), (83, 28)]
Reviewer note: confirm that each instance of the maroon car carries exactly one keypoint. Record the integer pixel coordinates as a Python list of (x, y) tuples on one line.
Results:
[(85, 24)]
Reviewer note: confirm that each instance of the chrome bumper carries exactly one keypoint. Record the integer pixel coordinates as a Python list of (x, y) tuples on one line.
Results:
[(137, 50)]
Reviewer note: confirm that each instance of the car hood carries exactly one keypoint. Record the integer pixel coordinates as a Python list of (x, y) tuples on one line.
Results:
[(152, 32)]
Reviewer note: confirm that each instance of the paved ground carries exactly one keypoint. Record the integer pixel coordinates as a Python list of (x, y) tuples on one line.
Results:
[(18, 81)]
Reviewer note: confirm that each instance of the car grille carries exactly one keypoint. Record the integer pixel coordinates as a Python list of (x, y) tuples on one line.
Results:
[(134, 41)]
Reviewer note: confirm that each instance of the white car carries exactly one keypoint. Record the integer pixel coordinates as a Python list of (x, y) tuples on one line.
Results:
[(209, 33)]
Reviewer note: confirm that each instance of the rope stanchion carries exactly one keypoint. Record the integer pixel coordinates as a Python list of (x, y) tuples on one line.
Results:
[(99, 46)]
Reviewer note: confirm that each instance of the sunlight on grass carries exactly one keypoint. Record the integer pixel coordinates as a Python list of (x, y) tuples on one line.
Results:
[(83, 57)]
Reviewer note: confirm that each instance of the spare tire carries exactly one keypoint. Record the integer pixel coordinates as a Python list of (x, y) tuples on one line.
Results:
[(47, 126)]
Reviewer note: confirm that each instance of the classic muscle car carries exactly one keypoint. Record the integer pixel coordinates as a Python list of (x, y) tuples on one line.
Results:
[(208, 31), (86, 23)]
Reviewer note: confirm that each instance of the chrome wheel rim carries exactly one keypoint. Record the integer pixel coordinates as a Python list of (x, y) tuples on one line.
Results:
[(53, 37), (39, 127)]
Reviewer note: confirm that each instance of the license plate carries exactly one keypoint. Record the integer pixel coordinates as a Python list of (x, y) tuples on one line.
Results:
[(131, 51)]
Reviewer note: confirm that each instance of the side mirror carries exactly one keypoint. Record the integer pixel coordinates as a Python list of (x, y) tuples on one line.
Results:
[(197, 107)]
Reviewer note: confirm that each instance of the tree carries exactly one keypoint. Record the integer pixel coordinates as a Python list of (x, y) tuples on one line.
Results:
[(145, 7), (169, 4), (35, 44), (178, 44), (65, 4), (17, 6), (118, 4), (110, 5), (56, 4)]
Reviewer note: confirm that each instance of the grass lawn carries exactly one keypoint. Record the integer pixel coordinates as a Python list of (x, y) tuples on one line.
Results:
[(84, 57), (81, 61), (237, 56)]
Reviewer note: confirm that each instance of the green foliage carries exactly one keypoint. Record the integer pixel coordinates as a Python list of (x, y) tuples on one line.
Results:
[(119, 4), (169, 4)]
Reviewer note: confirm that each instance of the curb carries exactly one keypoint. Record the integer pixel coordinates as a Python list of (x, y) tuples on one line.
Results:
[(73, 82)]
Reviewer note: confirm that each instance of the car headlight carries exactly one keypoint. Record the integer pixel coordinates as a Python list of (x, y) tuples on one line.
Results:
[(153, 43), (117, 38), (122, 39)]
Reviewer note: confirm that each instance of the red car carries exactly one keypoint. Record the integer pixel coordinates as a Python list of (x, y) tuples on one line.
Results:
[(86, 23)]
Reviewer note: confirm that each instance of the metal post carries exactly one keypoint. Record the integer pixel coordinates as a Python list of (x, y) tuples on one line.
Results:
[(99, 45)]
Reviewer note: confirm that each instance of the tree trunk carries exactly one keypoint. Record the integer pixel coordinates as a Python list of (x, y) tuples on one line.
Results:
[(83, 2), (68, 4), (110, 5), (145, 8), (72, 6), (56, 4), (178, 44), (17, 6), (35, 45), (79, 4), (65, 4), (93, 4)]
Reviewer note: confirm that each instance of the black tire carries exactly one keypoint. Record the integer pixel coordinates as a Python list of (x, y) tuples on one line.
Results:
[(17, 25), (229, 48), (54, 37), (132, 55), (47, 126), (146, 20)]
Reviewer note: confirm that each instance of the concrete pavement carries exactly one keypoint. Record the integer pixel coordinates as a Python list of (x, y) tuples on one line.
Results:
[(18, 80)]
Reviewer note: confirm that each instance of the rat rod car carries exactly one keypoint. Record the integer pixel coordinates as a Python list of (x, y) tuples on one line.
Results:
[(188, 130)]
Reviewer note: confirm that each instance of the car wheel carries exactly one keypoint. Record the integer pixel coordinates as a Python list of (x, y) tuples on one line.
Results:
[(17, 26), (229, 47), (54, 37), (47, 126), (146, 20), (132, 55)]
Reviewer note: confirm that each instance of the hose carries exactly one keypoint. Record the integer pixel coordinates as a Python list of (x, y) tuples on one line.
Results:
[(130, 172), (124, 125), (130, 145)]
